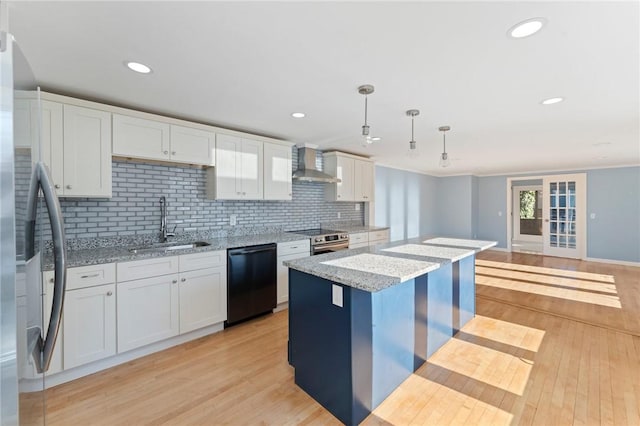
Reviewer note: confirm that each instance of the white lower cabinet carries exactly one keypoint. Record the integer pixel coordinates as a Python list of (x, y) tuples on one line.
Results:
[(358, 240), (89, 325), (378, 237), (203, 298), (289, 251)]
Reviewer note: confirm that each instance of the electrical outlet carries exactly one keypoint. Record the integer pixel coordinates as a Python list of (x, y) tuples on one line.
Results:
[(233, 220), (499, 213), (338, 215), (357, 207)]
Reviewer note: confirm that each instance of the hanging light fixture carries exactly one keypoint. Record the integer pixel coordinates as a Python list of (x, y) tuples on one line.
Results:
[(444, 157), (366, 89), (412, 113)]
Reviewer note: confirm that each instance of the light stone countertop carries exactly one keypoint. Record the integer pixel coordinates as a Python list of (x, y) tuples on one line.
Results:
[(477, 245), (96, 256), (375, 268), (356, 229)]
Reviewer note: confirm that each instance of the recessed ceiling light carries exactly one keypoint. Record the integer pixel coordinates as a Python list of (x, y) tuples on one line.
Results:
[(552, 101), (138, 67), (298, 114), (526, 28), (376, 138)]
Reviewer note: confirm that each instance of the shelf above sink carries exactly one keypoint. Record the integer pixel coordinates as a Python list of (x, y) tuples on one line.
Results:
[(167, 247)]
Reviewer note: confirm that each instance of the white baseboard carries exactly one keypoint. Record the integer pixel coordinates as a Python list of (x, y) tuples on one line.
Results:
[(613, 261), (35, 385)]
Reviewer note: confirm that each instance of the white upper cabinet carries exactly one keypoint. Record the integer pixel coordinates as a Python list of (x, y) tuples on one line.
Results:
[(239, 170), (87, 152), (75, 143), (277, 172), (356, 175), (363, 180), (193, 146), (22, 123), (155, 140), (140, 138)]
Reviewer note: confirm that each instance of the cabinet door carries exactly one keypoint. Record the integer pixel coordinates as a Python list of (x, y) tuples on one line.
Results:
[(140, 138), (283, 276), (251, 169), (21, 123), (277, 172), (228, 184), (345, 172), (89, 324), (147, 311), (47, 140), (193, 146), (203, 298), (87, 152), (363, 180)]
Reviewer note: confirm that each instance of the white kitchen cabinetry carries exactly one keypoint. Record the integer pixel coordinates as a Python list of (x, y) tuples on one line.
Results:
[(356, 173), (140, 138), (203, 292), (89, 314), (289, 251), (239, 171), (22, 123), (75, 143), (277, 172), (357, 240), (147, 311), (363, 180), (193, 146), (378, 237)]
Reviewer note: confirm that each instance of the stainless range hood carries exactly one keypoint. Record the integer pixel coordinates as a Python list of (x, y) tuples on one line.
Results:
[(307, 171)]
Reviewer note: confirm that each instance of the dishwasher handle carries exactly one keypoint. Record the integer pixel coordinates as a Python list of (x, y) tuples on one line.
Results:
[(251, 249)]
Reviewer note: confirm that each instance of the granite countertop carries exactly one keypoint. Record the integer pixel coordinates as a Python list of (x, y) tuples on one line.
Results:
[(96, 256), (477, 245), (377, 267), (355, 229)]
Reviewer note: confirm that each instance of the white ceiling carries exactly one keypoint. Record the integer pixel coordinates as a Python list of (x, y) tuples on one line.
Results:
[(247, 66)]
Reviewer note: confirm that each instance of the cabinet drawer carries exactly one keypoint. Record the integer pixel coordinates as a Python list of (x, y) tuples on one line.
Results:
[(146, 268), (362, 237), (358, 245), (208, 259), (379, 236), (91, 276), (292, 247)]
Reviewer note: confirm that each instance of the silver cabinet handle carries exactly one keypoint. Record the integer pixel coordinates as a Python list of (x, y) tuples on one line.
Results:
[(51, 280), (166, 152), (183, 279), (90, 276), (109, 293), (174, 281), (68, 186), (173, 153), (56, 186)]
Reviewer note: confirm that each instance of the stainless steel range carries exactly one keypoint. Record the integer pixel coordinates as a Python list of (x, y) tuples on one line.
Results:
[(326, 240)]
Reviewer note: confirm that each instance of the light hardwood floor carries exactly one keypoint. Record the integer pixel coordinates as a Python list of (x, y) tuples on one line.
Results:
[(537, 359)]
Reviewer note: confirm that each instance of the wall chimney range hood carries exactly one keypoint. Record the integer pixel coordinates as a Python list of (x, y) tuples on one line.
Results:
[(307, 171)]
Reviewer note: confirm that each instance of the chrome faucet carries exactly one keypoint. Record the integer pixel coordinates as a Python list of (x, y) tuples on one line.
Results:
[(163, 221)]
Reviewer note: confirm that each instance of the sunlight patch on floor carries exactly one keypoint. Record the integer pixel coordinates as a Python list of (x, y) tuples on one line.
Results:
[(548, 271), (610, 301), (504, 332)]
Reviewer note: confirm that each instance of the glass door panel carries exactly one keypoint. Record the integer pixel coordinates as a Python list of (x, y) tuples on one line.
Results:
[(565, 215)]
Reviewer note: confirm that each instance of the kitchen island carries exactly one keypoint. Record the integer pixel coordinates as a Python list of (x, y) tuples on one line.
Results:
[(361, 321)]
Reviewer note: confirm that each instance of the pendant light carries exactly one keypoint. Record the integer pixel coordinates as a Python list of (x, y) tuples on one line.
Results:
[(444, 157), (412, 113), (366, 89)]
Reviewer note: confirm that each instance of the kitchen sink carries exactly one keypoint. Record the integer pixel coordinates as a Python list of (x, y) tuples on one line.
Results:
[(167, 247)]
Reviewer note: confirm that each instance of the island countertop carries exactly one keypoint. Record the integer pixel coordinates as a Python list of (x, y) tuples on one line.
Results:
[(375, 268)]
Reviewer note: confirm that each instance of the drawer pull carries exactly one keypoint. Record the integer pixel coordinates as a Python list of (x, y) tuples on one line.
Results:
[(294, 247), (174, 281), (90, 276), (183, 279), (109, 293)]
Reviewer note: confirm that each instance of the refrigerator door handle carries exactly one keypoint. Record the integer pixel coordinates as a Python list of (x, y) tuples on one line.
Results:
[(40, 179)]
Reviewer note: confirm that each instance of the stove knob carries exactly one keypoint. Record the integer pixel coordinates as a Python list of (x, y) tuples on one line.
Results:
[(344, 236)]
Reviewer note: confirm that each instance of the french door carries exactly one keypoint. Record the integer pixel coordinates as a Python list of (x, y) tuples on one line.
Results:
[(564, 215)]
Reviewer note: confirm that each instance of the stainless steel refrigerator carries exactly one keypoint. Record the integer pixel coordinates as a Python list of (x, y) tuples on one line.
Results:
[(32, 232)]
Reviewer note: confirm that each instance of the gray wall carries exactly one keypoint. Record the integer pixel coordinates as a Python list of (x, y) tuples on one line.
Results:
[(404, 201), (134, 207), (454, 209)]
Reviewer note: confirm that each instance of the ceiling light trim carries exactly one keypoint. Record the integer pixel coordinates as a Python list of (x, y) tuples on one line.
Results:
[(138, 67), (527, 28), (552, 101)]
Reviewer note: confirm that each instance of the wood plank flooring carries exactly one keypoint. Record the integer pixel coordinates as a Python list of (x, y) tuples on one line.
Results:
[(512, 364)]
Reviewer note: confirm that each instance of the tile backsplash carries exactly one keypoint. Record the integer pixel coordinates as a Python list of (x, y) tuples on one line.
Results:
[(137, 187)]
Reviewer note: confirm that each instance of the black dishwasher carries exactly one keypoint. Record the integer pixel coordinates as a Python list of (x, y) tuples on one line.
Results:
[(251, 282)]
